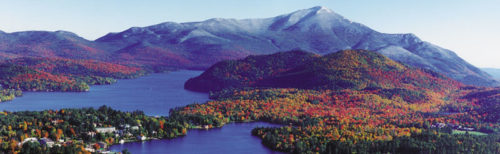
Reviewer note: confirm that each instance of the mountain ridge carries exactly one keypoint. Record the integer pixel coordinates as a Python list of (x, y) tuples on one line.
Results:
[(62, 44), (198, 45), (317, 29), (494, 72)]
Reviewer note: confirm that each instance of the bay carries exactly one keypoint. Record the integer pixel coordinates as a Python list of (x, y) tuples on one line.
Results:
[(231, 138), (154, 94)]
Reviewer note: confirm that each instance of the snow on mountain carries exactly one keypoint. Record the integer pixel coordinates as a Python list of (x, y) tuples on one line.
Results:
[(198, 45), (318, 29)]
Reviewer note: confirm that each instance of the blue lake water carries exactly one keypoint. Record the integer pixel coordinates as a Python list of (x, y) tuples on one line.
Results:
[(232, 138), (154, 94)]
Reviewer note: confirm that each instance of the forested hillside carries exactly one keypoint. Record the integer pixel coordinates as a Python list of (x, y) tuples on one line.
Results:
[(352, 101), (198, 45), (387, 107), (348, 69), (59, 74)]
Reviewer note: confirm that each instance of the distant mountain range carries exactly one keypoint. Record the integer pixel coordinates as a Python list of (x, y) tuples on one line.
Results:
[(50, 44), (494, 72), (198, 45)]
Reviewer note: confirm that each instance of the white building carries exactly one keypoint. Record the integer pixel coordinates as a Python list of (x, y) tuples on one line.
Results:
[(31, 139), (105, 129), (135, 128), (141, 138), (47, 141)]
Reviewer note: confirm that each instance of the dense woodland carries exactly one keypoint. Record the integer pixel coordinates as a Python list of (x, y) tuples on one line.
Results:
[(349, 121), (9, 94), (353, 101), (241, 73), (349, 69), (58, 74), (73, 129)]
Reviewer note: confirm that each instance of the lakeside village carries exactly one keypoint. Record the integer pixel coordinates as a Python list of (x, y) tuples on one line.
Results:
[(86, 130), (125, 132)]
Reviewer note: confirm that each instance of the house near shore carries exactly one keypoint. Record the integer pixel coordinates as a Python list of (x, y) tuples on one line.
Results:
[(141, 138), (90, 149), (134, 127), (31, 139), (91, 134), (105, 129), (46, 141), (102, 145)]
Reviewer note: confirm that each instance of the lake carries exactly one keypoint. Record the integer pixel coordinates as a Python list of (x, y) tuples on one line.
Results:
[(154, 94), (232, 138)]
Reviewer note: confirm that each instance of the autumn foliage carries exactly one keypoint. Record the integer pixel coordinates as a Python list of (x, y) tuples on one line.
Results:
[(58, 74), (352, 101)]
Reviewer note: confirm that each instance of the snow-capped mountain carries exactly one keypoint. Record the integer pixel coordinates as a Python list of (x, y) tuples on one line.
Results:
[(198, 45), (318, 29)]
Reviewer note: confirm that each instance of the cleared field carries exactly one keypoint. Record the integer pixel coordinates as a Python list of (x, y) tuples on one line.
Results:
[(470, 132)]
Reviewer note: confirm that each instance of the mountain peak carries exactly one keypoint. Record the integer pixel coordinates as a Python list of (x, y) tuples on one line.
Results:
[(321, 9), (66, 33), (313, 18), (217, 20), (317, 10), (317, 29)]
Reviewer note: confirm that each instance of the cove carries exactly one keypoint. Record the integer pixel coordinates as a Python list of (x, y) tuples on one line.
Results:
[(154, 94), (231, 138)]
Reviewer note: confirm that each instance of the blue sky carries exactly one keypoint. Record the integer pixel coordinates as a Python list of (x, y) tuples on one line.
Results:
[(470, 28)]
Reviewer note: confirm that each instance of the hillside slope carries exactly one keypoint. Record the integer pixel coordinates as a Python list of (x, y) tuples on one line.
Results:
[(348, 69), (198, 45), (351, 101), (58, 74), (50, 44), (494, 72), (318, 30)]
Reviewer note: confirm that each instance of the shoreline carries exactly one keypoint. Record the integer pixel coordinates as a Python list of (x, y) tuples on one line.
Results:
[(196, 128)]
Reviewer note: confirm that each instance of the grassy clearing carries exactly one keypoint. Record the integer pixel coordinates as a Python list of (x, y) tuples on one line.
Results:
[(470, 132)]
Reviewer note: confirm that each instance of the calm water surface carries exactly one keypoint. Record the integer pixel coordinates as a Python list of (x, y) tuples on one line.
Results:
[(154, 94), (232, 138)]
